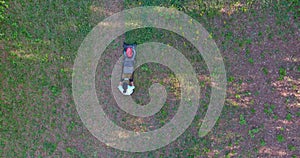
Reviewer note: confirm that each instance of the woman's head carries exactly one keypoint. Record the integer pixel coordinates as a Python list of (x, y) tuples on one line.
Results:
[(125, 86)]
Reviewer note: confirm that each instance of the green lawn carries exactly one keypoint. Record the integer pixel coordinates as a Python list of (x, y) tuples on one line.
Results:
[(39, 42)]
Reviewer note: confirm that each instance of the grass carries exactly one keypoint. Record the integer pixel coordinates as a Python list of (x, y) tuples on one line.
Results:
[(291, 147), (242, 120), (280, 138), (265, 71), (282, 73), (50, 147), (230, 79), (145, 68), (253, 131), (39, 42), (237, 96), (288, 117), (253, 111), (74, 152), (269, 109), (262, 142), (251, 60), (3, 7)]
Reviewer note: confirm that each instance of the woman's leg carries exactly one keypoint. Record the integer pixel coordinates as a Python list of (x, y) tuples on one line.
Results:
[(131, 78)]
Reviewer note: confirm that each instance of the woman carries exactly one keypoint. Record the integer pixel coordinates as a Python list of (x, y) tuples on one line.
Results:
[(125, 88)]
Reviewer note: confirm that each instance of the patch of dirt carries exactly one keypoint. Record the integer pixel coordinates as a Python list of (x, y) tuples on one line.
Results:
[(254, 55)]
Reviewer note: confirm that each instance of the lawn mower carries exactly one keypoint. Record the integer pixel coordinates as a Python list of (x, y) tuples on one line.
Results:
[(129, 53)]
